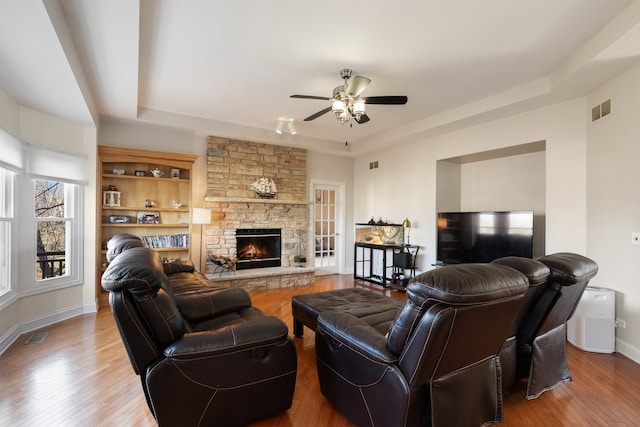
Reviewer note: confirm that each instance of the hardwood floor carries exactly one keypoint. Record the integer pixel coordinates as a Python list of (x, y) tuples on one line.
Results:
[(79, 375)]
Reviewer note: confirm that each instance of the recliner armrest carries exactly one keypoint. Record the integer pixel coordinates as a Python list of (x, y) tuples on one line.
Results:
[(355, 333), (197, 345)]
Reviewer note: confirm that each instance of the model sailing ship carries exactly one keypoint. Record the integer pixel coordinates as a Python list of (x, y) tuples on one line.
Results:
[(265, 188)]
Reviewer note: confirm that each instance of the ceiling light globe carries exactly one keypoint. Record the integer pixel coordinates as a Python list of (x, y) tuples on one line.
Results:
[(358, 107)]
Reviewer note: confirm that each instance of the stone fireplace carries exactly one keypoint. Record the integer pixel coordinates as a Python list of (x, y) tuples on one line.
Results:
[(232, 166)]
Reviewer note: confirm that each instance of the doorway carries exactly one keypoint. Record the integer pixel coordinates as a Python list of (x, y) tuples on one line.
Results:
[(328, 222)]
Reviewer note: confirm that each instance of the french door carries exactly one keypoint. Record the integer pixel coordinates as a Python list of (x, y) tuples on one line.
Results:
[(328, 223)]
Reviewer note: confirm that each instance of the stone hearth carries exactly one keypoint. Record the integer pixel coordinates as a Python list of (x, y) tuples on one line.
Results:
[(265, 278)]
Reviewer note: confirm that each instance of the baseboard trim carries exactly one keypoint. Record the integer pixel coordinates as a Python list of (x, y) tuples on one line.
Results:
[(19, 329), (628, 350)]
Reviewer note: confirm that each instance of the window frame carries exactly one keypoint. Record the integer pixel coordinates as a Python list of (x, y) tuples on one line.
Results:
[(7, 222), (74, 247)]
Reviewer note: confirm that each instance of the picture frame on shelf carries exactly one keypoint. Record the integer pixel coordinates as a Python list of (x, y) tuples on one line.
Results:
[(148, 217)]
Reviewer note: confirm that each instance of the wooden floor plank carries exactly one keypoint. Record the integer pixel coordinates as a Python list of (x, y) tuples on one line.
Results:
[(80, 376)]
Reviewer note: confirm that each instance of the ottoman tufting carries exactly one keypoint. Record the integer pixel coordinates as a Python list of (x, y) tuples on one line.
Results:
[(376, 309)]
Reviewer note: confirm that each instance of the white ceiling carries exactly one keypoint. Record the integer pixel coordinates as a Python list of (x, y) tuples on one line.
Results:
[(228, 68)]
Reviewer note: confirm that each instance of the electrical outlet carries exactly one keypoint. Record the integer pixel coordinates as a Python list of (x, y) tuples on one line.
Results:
[(621, 323), (635, 238)]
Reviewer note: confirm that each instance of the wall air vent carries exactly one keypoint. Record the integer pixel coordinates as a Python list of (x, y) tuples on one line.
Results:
[(601, 111)]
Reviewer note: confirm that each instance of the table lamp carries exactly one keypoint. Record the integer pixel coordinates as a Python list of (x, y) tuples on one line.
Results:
[(201, 216), (407, 224)]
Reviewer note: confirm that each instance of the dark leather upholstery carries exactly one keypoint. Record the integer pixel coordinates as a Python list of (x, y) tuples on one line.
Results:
[(376, 309), (543, 355), (541, 331), (438, 365), (537, 273), (120, 243), (205, 355)]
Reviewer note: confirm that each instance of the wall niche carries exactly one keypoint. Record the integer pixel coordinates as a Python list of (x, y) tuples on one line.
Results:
[(506, 179)]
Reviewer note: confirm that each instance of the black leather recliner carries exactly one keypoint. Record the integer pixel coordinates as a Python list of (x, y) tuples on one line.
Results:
[(538, 274), (542, 354), (438, 365), (541, 329), (205, 356)]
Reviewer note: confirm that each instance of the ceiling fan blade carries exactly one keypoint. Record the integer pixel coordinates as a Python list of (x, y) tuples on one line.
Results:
[(386, 100), (318, 114), (324, 98), (363, 119), (357, 85)]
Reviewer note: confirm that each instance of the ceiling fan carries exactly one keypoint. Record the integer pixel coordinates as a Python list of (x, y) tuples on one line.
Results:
[(346, 102)]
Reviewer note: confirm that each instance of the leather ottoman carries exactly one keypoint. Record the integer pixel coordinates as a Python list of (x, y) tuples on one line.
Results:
[(376, 309)]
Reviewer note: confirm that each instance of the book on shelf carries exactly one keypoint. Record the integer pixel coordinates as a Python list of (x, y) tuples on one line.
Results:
[(166, 241)]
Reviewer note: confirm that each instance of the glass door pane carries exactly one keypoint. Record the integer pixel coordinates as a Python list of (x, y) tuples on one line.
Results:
[(325, 227)]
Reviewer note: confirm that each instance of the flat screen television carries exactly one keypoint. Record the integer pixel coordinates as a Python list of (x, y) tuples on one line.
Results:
[(465, 237)]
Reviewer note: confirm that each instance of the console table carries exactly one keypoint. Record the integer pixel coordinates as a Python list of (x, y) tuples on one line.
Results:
[(375, 263), (371, 262)]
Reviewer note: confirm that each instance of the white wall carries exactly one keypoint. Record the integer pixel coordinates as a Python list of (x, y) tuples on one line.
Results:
[(507, 184), (31, 311), (326, 167), (9, 116), (613, 181), (406, 184)]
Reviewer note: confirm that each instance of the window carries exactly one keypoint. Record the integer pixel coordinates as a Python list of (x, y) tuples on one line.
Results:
[(41, 201), (7, 183), (56, 230)]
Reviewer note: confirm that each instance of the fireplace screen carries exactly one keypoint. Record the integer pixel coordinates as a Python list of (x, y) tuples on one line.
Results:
[(258, 247)]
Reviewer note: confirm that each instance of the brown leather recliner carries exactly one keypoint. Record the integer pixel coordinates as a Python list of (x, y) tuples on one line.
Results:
[(438, 365), (210, 358)]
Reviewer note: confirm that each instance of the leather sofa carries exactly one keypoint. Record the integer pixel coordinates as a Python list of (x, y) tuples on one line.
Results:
[(205, 355), (438, 363)]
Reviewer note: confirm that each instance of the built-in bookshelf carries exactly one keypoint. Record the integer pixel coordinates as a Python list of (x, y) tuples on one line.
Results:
[(145, 193)]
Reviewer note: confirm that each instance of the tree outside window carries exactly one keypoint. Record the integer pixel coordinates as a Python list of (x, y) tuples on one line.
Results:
[(52, 225)]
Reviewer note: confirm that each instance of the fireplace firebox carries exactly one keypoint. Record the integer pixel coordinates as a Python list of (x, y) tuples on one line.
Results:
[(258, 247)]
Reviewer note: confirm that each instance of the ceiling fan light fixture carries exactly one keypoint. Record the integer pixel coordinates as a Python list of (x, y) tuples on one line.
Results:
[(280, 126), (358, 108), (346, 103), (338, 107)]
